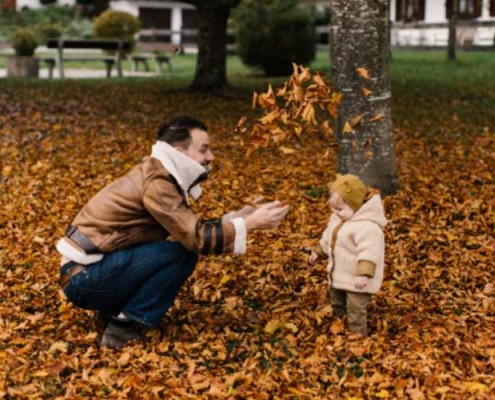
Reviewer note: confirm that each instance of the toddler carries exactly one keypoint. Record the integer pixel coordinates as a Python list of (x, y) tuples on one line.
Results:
[(353, 243)]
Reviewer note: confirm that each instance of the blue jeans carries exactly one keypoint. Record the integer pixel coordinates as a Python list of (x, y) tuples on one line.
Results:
[(140, 281)]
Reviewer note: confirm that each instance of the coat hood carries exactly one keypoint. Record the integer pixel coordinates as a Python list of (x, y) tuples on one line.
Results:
[(372, 210)]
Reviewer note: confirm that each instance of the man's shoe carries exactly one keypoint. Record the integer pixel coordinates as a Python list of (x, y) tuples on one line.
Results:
[(99, 322), (120, 331)]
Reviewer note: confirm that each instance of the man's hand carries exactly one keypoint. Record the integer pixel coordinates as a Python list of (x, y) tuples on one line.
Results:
[(249, 209), (266, 216), (361, 282), (313, 257)]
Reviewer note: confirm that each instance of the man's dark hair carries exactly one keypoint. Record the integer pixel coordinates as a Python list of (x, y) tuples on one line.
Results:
[(177, 131)]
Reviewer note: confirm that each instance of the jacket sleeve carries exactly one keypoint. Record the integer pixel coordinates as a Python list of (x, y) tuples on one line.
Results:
[(370, 243), (163, 201)]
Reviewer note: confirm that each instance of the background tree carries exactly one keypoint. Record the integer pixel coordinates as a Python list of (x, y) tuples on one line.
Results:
[(359, 51), (211, 64)]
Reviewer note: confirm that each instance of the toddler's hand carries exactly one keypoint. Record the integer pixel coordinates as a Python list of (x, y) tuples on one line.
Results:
[(313, 257), (361, 282)]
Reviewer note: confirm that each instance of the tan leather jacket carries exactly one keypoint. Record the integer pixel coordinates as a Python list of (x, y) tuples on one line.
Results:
[(146, 205)]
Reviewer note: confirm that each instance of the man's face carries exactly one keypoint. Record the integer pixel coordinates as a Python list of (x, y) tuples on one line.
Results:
[(199, 148)]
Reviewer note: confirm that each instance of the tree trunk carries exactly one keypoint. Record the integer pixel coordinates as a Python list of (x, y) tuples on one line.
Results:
[(451, 49), (360, 39), (211, 69)]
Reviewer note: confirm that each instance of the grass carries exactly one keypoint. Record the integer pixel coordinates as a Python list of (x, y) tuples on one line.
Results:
[(466, 85)]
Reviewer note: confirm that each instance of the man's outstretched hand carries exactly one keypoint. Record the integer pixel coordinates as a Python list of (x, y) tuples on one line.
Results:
[(266, 216), (249, 208)]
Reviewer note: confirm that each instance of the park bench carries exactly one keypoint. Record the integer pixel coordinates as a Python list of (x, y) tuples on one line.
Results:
[(114, 53), (159, 52)]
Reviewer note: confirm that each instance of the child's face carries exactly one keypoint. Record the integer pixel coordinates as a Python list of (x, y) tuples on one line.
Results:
[(340, 207)]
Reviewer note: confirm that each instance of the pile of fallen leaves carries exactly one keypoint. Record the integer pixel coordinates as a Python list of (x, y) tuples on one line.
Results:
[(259, 326)]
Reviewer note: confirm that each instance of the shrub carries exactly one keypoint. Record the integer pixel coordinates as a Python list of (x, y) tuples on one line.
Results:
[(24, 42), (113, 24), (274, 34), (50, 31)]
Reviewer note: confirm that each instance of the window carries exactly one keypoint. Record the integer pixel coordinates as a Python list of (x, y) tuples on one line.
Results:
[(410, 10), (465, 9), (492, 8)]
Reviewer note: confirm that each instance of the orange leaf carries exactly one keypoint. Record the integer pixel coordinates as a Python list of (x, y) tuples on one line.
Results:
[(377, 117), (347, 127), (363, 72), (366, 92)]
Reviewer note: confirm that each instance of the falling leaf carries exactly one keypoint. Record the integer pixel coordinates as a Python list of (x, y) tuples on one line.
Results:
[(366, 92), (363, 73), (347, 128), (356, 120), (377, 117)]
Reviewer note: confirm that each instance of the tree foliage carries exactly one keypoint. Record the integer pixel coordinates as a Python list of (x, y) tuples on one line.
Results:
[(274, 34)]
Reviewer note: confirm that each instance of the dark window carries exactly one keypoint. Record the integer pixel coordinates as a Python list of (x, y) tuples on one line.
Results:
[(410, 10), (158, 18), (492, 8), (465, 9)]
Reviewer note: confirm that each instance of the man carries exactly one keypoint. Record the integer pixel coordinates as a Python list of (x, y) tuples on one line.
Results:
[(133, 245)]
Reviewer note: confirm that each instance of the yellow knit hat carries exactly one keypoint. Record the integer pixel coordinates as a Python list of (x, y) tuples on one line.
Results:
[(352, 190)]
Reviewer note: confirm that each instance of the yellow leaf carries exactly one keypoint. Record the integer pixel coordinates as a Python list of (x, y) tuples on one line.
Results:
[(347, 128), (40, 374), (336, 98), (224, 279), (363, 72), (382, 394), (308, 114), (272, 326), (475, 387)]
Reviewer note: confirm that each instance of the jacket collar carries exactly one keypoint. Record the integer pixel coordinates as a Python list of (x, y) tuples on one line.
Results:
[(187, 172)]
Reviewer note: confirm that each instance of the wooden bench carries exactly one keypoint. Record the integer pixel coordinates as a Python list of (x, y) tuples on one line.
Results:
[(159, 52), (116, 50)]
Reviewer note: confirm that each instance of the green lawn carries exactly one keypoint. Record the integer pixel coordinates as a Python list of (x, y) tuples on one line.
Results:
[(426, 67), (466, 86)]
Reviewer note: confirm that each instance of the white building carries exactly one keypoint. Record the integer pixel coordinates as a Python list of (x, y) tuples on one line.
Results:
[(424, 22)]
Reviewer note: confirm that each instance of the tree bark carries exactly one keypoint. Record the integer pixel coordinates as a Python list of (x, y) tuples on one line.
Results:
[(452, 44), (211, 64), (360, 39)]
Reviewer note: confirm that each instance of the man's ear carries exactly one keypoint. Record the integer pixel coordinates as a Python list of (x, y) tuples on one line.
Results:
[(181, 149)]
